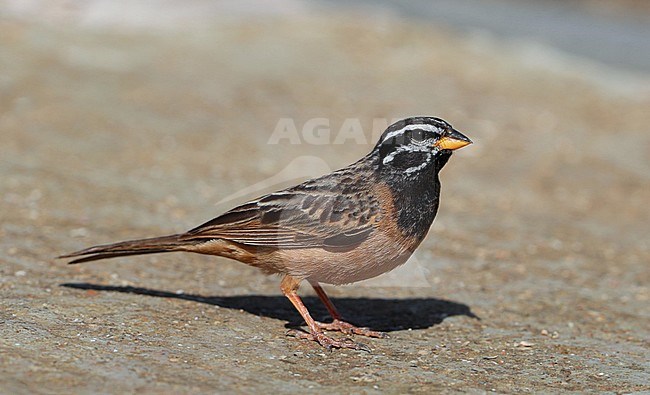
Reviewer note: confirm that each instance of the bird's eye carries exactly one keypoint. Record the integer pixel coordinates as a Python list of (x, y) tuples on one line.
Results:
[(417, 136)]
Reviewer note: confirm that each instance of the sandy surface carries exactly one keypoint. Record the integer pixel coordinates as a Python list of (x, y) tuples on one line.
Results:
[(115, 133)]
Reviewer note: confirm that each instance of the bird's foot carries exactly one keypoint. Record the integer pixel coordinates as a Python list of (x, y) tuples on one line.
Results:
[(328, 342), (349, 329)]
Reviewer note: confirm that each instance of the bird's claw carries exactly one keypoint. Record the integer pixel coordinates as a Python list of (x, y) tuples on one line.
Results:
[(349, 329), (328, 342)]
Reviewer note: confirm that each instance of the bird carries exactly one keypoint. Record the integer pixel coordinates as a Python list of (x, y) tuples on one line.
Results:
[(350, 225)]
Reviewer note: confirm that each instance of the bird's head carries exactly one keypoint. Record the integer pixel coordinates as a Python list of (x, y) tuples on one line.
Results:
[(413, 144)]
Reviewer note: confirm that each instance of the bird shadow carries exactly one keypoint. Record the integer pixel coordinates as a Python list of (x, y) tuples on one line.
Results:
[(386, 315)]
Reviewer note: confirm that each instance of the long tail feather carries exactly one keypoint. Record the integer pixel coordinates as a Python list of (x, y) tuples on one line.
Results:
[(132, 247)]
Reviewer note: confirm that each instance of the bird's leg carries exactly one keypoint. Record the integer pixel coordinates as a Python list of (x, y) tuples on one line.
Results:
[(289, 288), (338, 324)]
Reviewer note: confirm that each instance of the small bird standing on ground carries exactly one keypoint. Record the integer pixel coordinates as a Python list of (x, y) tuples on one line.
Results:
[(350, 225)]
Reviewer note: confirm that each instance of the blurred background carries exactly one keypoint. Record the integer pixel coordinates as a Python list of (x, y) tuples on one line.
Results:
[(125, 119)]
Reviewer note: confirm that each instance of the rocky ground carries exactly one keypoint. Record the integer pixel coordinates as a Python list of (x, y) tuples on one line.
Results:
[(534, 277)]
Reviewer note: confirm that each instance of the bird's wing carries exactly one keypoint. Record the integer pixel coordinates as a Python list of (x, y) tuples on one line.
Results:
[(300, 217)]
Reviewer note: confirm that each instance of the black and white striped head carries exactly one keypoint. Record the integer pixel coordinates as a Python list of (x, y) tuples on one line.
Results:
[(413, 144)]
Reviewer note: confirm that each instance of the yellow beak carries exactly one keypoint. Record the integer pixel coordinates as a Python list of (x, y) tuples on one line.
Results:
[(453, 140)]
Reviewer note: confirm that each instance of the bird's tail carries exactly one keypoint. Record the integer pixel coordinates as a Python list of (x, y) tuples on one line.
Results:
[(132, 247)]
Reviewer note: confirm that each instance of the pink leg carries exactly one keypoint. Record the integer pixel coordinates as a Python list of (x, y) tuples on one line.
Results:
[(289, 288), (338, 324)]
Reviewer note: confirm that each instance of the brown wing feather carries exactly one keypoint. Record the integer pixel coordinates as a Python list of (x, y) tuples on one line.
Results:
[(313, 214)]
